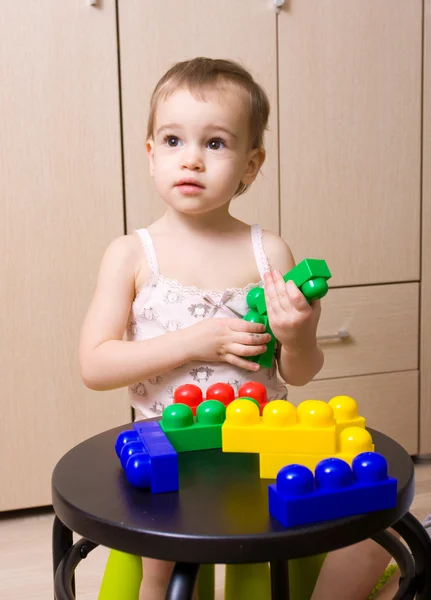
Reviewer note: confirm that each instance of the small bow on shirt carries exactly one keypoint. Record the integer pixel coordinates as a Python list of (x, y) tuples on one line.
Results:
[(221, 304)]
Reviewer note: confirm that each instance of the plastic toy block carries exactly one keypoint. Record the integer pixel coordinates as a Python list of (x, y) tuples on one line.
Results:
[(335, 491), (266, 358), (188, 394), (185, 434), (351, 442), (309, 429), (223, 392), (346, 413), (148, 458), (310, 276)]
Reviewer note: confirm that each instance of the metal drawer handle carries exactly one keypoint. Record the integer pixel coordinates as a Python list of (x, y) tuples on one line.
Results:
[(341, 334)]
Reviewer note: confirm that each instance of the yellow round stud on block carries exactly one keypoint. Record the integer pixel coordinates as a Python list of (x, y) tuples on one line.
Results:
[(279, 413), (344, 407), (242, 412), (315, 413), (354, 440)]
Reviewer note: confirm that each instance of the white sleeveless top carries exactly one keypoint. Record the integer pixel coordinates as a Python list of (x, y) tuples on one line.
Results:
[(164, 305)]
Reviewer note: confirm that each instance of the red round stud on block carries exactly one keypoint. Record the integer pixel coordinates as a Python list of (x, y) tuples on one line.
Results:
[(223, 392), (255, 390), (188, 394)]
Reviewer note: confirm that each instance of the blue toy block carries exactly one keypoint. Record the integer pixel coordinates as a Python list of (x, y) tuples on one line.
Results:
[(336, 491), (148, 458)]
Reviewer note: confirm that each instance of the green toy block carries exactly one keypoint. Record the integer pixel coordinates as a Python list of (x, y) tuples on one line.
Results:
[(310, 276), (265, 359), (186, 434)]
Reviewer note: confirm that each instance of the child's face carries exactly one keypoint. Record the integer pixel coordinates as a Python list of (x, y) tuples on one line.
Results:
[(201, 149)]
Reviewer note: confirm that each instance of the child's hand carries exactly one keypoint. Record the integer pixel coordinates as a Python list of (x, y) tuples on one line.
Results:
[(227, 340), (293, 321)]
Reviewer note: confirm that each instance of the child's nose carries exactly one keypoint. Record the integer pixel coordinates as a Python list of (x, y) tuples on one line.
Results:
[(192, 159)]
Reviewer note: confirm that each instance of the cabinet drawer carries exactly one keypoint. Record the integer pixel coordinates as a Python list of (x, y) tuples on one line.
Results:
[(389, 401), (382, 325)]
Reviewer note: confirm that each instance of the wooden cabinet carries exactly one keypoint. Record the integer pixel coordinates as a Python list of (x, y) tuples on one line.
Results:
[(61, 191), (350, 136), (153, 36), (342, 181), (425, 346)]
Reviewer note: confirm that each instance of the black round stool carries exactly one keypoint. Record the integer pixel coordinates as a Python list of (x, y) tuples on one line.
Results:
[(220, 515)]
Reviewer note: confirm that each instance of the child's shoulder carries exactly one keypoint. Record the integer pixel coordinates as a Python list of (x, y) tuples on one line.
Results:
[(125, 252), (277, 252)]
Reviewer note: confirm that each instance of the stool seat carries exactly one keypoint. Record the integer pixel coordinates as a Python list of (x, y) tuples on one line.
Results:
[(220, 514)]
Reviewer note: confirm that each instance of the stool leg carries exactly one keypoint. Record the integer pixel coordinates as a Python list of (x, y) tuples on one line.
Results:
[(62, 541), (280, 580), (182, 582), (419, 543)]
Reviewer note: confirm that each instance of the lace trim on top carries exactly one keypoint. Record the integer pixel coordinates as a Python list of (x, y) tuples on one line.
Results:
[(192, 290), (259, 252)]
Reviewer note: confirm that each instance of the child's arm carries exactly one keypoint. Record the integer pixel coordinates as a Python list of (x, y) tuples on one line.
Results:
[(293, 321), (108, 362)]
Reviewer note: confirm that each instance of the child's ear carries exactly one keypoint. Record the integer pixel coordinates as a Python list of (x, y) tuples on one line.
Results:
[(256, 158), (149, 145)]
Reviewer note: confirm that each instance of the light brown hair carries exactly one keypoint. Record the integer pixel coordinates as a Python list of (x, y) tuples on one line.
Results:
[(199, 74)]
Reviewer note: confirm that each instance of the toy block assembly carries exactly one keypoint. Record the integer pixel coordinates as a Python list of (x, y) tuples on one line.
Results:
[(283, 428), (148, 458), (310, 276), (335, 491), (351, 442), (186, 434)]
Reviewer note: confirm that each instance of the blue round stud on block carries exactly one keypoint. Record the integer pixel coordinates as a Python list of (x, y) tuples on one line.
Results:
[(129, 450), (124, 438), (295, 480), (370, 467), (333, 474), (138, 470)]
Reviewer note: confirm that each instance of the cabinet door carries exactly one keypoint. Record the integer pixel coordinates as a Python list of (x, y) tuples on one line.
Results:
[(350, 136), (425, 405), (153, 36), (61, 195)]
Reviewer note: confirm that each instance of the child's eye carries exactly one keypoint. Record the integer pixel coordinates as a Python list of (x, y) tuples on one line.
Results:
[(171, 140), (216, 144)]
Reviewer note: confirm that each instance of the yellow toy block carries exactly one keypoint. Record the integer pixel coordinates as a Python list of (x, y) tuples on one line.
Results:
[(346, 413), (308, 429), (352, 441)]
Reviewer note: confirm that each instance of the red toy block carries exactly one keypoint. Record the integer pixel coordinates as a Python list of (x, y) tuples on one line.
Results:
[(223, 392), (188, 394)]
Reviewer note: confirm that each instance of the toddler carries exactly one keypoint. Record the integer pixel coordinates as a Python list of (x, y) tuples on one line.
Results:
[(178, 288)]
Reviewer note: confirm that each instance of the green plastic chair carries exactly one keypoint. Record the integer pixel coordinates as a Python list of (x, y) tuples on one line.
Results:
[(123, 575)]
